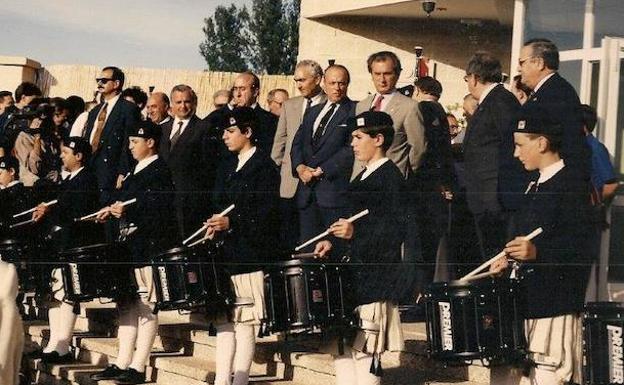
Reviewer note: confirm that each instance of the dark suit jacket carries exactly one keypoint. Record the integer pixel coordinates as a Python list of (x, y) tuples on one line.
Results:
[(112, 157), (560, 100), (555, 282), (253, 239), (495, 180), (77, 197), (153, 213), (333, 155), (267, 123), (376, 245), (192, 162)]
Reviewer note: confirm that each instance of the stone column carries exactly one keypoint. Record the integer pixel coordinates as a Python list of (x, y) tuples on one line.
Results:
[(15, 70)]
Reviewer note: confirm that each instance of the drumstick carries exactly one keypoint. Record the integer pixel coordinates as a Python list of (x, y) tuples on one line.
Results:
[(326, 232), (478, 276), (95, 214), (52, 202), (204, 227), (304, 255), (21, 223), (532, 235)]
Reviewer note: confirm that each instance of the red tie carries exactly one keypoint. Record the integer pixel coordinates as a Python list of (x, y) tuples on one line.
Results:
[(377, 105)]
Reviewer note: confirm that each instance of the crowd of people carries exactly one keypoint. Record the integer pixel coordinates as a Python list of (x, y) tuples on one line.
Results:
[(526, 159)]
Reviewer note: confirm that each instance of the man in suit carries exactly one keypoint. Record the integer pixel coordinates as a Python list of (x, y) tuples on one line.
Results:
[(308, 76), (322, 157), (190, 157), (495, 180), (408, 144), (158, 108), (245, 93), (538, 65), (276, 99), (107, 127)]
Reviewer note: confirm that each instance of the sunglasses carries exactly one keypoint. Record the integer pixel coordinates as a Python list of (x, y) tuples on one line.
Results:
[(103, 80)]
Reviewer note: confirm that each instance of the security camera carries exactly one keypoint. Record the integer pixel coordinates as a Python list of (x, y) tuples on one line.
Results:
[(428, 6)]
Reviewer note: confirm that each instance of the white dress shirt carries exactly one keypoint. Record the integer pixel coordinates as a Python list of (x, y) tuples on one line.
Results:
[(371, 168), (244, 157)]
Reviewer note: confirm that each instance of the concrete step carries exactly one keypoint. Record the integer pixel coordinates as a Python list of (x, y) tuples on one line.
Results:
[(185, 352)]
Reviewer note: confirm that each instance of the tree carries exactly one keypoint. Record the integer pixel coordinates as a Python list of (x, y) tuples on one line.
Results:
[(226, 47), (267, 42)]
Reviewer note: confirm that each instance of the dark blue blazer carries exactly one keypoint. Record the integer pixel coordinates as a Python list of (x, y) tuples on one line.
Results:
[(112, 157), (560, 100), (333, 155)]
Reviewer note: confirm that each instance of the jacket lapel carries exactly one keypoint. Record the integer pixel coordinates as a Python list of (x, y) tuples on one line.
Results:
[(339, 116)]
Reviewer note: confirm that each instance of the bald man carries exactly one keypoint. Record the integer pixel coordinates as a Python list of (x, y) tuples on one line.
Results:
[(245, 93), (158, 108)]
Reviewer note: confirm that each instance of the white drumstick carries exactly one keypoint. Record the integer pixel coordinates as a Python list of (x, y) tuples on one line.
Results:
[(95, 214), (204, 227), (52, 202), (326, 232), (529, 237)]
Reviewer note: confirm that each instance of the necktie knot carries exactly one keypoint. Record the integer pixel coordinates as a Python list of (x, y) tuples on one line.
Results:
[(377, 104)]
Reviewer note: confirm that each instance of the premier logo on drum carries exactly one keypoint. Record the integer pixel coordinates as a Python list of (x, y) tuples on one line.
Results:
[(616, 354), (446, 326), (75, 278), (164, 283)]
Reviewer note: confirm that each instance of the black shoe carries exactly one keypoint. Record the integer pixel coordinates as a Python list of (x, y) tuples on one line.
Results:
[(130, 377), (110, 373), (55, 358)]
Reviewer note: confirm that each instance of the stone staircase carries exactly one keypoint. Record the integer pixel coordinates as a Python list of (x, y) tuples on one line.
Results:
[(183, 354)]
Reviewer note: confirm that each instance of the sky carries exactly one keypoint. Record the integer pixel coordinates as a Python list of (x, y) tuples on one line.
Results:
[(124, 33)]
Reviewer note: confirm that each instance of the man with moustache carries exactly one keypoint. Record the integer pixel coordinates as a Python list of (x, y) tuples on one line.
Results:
[(158, 108), (184, 146), (322, 157), (409, 142), (106, 128), (308, 76)]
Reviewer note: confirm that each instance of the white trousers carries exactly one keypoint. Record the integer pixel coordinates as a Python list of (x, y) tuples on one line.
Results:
[(236, 344), (353, 368)]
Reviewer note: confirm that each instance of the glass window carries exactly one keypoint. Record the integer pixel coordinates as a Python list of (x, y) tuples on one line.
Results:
[(608, 16), (558, 20), (571, 71)]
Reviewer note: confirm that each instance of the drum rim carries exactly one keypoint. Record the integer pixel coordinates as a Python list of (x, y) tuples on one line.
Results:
[(299, 262)]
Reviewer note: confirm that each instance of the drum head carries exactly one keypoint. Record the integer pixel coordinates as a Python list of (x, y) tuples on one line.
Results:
[(299, 263), (9, 243), (100, 248)]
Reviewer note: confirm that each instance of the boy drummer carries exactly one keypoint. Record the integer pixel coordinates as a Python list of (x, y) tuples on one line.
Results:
[(375, 251), (555, 265), (147, 227)]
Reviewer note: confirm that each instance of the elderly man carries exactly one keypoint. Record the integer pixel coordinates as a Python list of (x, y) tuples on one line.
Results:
[(245, 93), (158, 108), (221, 98), (538, 65), (276, 99), (495, 180), (308, 76), (192, 163), (322, 157)]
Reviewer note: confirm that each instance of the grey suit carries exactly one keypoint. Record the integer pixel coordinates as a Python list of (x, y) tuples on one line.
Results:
[(409, 133), (289, 122)]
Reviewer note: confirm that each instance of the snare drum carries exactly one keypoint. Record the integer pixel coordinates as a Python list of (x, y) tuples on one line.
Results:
[(186, 279), (32, 273), (603, 347), (481, 321), (304, 296), (97, 271)]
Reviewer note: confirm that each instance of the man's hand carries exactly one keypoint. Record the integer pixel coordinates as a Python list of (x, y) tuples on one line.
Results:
[(40, 212), (210, 231), (305, 173), (120, 179), (322, 248), (500, 265), (219, 223), (521, 250), (342, 229), (117, 209), (103, 215), (317, 172)]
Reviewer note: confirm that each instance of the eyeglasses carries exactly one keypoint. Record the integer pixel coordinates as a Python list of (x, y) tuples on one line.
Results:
[(521, 61), (103, 80)]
